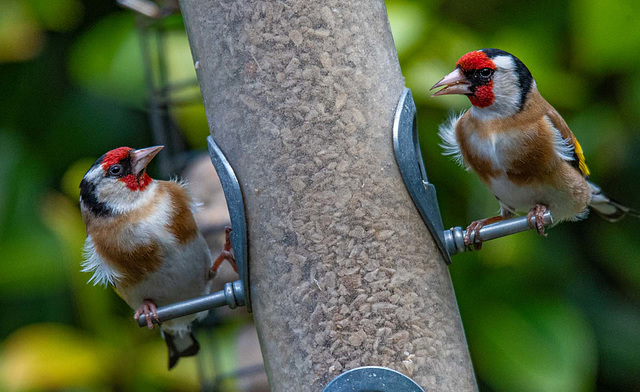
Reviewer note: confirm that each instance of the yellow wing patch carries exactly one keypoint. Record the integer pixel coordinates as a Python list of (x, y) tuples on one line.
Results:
[(582, 164)]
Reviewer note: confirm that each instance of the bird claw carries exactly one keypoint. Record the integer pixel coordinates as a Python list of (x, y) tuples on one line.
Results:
[(538, 211), (474, 227), (148, 308), (225, 254)]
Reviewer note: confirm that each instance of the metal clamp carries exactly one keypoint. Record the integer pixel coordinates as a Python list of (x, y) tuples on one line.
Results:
[(372, 378), (407, 150), (234, 294), (235, 204)]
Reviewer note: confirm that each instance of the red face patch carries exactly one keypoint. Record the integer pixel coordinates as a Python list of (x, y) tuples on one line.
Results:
[(483, 96), (136, 184), (115, 156), (475, 60)]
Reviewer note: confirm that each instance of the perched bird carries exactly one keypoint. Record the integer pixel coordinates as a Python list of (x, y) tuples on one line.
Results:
[(142, 238), (518, 144)]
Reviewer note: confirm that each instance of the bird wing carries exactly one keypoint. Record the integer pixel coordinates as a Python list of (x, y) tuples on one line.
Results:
[(578, 161)]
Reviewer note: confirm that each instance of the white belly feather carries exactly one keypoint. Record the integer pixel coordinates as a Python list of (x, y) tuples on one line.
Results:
[(521, 198)]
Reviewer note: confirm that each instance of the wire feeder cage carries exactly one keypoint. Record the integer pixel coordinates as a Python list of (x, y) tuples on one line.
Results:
[(153, 22)]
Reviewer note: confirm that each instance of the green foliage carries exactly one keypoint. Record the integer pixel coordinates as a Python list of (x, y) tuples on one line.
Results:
[(534, 346), (555, 314), (107, 60)]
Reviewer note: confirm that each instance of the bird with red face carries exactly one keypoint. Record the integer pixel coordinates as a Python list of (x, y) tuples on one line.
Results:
[(142, 238), (518, 145)]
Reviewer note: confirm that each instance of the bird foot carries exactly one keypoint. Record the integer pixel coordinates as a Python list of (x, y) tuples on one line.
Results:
[(225, 254), (148, 308), (538, 211), (474, 228)]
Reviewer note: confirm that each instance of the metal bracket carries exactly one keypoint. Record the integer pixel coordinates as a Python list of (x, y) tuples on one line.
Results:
[(409, 157), (372, 379), (407, 150), (235, 293), (235, 204)]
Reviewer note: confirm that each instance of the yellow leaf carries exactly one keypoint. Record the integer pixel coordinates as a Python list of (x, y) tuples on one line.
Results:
[(52, 357)]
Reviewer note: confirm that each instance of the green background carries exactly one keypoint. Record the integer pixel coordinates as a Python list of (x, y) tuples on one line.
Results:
[(560, 313)]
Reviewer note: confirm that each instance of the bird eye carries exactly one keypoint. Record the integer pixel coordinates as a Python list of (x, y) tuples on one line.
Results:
[(486, 72), (115, 170)]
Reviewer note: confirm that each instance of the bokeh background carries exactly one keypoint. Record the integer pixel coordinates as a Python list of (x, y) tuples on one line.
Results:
[(555, 314)]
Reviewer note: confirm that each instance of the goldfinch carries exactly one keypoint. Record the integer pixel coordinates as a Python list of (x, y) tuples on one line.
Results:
[(142, 238), (518, 144)]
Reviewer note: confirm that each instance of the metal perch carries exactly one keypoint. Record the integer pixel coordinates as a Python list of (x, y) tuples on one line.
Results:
[(454, 237), (232, 295)]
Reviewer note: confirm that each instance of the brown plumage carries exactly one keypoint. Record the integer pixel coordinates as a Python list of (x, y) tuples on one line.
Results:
[(518, 144), (142, 238)]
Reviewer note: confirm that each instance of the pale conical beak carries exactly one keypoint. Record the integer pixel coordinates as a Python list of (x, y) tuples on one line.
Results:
[(455, 83), (141, 158)]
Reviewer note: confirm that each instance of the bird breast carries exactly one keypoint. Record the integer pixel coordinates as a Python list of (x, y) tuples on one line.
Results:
[(136, 244), (523, 152)]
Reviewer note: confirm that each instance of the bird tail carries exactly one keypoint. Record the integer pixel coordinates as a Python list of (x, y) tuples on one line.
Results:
[(608, 208), (180, 345)]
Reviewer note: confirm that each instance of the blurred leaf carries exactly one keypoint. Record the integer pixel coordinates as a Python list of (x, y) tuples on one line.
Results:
[(616, 321), (539, 346), (408, 22), (181, 73), (619, 253), (218, 354), (71, 179), (20, 35), (92, 303), (21, 178), (600, 131), (563, 89), (107, 60), (193, 123), (180, 66), (152, 359), (32, 263), (631, 98), (606, 35), (57, 15), (88, 126), (53, 357), (509, 250), (11, 152)]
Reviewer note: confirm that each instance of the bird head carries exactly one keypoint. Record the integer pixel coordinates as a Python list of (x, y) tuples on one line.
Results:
[(116, 181), (496, 82)]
